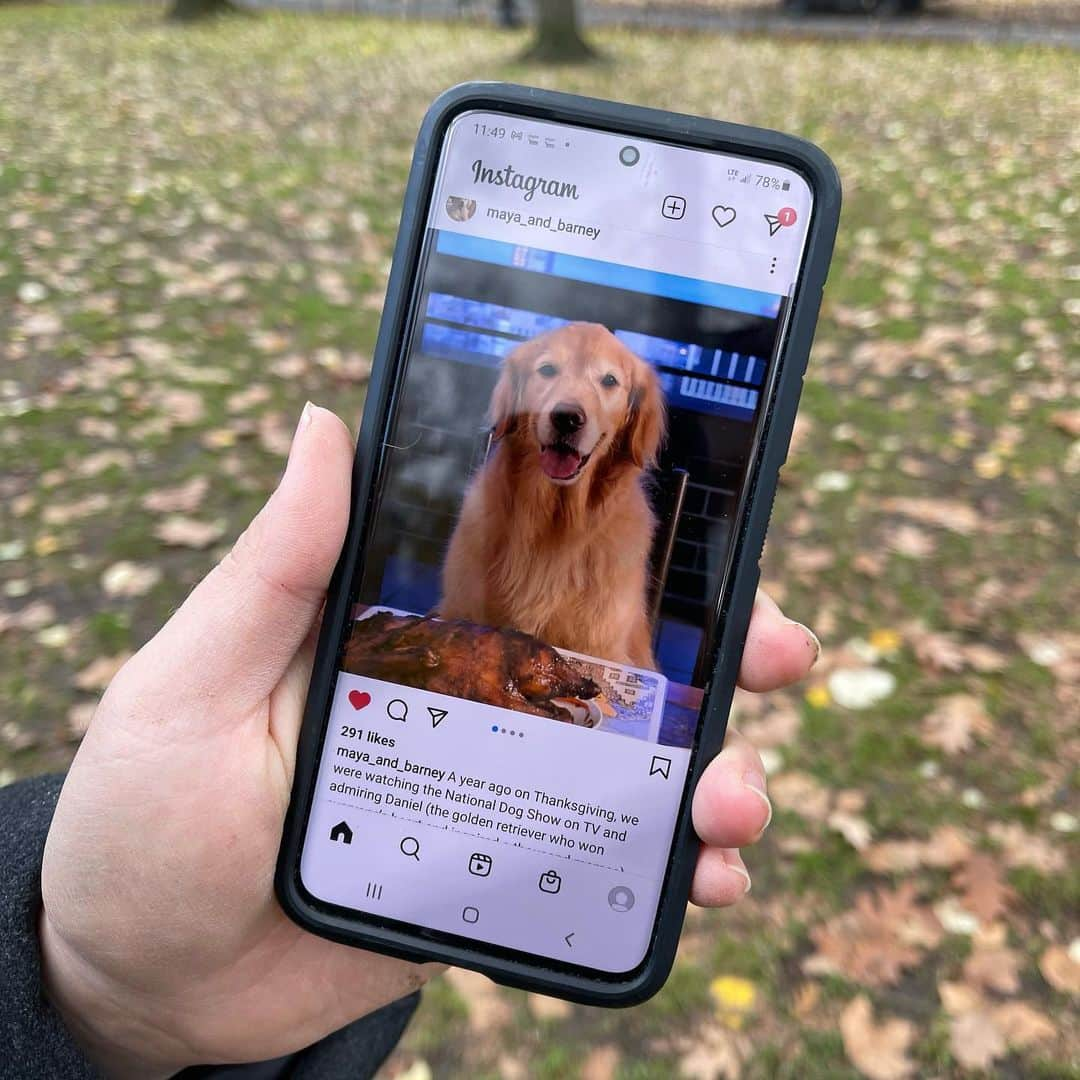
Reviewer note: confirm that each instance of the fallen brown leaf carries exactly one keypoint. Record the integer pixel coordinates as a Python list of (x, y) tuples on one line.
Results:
[(79, 717), (1022, 1025), (879, 1051), (944, 848), (975, 1039), (99, 673), (715, 1052), (65, 513), (129, 579), (778, 727), (994, 968), (806, 1000), (35, 616), (911, 542), (182, 499), (986, 894), (853, 828), (1019, 847), (602, 1063), (959, 998), (549, 1008), (1060, 967), (801, 793), (947, 847), (808, 560), (275, 433), (954, 723), (935, 651), (488, 1008), (179, 531), (944, 513), (1067, 420), (884, 934)]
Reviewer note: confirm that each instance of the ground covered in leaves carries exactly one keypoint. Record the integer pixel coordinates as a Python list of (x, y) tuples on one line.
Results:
[(194, 234)]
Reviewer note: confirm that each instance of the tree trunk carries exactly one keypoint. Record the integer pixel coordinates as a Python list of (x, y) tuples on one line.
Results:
[(558, 34), (193, 10)]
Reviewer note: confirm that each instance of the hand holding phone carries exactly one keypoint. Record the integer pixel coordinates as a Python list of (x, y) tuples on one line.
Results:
[(181, 808), (585, 381)]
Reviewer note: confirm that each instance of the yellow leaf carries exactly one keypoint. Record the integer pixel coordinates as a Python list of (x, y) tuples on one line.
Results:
[(735, 998), (46, 544), (988, 466), (885, 641), (219, 439), (818, 697)]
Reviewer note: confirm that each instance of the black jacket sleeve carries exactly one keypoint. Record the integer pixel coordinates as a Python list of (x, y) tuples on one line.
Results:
[(35, 1044)]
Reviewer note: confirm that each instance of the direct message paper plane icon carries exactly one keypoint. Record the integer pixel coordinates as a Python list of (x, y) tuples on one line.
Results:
[(437, 715), (774, 223)]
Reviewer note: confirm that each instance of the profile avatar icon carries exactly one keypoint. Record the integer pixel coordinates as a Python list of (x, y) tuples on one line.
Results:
[(459, 208), (621, 898)]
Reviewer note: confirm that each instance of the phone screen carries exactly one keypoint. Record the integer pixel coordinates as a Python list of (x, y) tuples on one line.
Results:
[(595, 323)]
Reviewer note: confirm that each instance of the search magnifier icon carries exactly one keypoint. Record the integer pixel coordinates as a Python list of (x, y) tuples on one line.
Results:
[(410, 847)]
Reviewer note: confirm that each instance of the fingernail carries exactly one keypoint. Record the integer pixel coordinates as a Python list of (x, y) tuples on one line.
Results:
[(811, 640), (733, 861), (301, 426), (755, 782)]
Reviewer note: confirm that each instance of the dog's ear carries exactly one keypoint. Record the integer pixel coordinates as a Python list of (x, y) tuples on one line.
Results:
[(647, 422), (506, 397)]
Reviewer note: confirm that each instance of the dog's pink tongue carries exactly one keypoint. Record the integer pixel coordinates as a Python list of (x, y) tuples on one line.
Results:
[(559, 464)]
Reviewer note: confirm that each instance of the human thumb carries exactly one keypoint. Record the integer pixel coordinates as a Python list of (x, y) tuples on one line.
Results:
[(234, 636)]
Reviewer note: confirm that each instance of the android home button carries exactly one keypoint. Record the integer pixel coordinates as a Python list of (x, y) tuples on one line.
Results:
[(342, 832)]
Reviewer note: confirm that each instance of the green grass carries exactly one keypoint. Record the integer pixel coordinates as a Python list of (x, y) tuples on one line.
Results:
[(209, 208)]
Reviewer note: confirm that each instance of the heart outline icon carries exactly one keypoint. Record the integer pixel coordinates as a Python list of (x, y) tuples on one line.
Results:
[(359, 699), (726, 212)]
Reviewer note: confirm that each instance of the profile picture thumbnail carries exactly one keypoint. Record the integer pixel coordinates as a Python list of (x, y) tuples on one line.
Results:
[(459, 208)]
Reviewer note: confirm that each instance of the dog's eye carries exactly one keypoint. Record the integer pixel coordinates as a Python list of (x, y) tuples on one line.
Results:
[(609, 380), (547, 371)]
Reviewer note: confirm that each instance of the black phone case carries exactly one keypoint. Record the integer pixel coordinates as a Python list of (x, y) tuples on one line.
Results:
[(581, 985)]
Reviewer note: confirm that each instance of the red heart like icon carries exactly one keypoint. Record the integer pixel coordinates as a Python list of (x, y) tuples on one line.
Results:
[(359, 698)]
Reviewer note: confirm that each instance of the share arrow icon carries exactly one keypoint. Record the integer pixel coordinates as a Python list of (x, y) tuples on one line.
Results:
[(437, 715)]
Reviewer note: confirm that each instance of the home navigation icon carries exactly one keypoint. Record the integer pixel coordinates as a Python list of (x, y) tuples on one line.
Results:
[(342, 832)]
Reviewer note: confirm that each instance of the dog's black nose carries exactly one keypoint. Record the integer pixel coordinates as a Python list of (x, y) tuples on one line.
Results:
[(566, 418)]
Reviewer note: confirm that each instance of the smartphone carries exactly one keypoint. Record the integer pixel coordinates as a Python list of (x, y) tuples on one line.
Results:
[(586, 375)]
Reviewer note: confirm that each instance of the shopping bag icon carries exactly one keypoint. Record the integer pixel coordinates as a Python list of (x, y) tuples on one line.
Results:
[(550, 882)]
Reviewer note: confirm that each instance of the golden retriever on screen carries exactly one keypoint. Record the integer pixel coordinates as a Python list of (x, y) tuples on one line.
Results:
[(555, 530)]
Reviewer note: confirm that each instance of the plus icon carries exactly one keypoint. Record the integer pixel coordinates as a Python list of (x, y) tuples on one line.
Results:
[(673, 206)]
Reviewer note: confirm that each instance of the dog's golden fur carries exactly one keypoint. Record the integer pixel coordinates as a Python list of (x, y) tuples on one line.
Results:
[(563, 559)]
